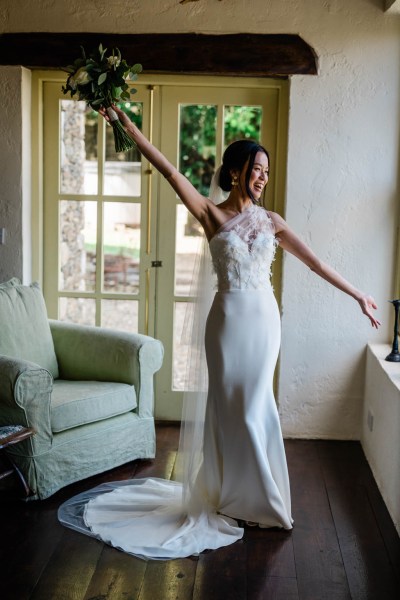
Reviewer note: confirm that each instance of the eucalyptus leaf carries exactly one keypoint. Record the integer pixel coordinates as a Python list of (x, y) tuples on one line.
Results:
[(102, 78)]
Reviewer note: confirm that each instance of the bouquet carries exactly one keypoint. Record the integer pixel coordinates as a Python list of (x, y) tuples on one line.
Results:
[(100, 80)]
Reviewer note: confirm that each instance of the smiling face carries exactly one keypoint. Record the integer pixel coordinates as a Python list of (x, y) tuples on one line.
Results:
[(255, 180), (259, 175)]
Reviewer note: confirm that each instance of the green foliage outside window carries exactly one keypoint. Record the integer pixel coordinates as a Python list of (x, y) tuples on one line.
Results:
[(198, 137), (198, 130)]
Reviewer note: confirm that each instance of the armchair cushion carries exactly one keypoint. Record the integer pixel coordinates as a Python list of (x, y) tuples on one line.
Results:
[(75, 403), (25, 331)]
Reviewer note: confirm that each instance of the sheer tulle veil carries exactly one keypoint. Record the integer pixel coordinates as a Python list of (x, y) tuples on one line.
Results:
[(157, 518), (190, 453)]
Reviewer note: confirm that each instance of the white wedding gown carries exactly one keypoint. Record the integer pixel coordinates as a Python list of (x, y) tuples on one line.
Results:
[(243, 474)]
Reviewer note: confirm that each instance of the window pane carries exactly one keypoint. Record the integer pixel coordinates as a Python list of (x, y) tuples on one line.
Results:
[(121, 247), (122, 170), (197, 144), (241, 122), (78, 148), (180, 347), (77, 245), (120, 314), (184, 351), (187, 248), (77, 310)]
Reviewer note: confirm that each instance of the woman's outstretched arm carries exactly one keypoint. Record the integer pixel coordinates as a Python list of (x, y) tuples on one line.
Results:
[(289, 241), (196, 203)]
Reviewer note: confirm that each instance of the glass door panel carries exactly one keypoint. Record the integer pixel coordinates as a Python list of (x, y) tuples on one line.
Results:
[(242, 122), (120, 314), (78, 148), (197, 143), (180, 346), (121, 247), (97, 212), (77, 245), (77, 310), (122, 170), (188, 239), (197, 124)]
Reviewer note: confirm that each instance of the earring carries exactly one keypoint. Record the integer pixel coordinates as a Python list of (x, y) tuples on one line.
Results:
[(234, 181)]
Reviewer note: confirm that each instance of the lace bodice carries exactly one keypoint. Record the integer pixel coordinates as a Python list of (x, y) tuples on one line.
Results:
[(243, 249)]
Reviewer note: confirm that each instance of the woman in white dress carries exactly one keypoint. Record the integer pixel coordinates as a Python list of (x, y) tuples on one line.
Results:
[(240, 472)]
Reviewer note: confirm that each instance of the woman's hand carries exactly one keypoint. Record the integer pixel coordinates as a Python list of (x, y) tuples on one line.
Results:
[(367, 304), (123, 117)]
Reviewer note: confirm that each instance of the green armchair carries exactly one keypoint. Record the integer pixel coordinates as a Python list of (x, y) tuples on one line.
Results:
[(86, 391)]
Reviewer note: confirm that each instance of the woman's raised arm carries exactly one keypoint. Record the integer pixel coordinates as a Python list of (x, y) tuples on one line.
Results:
[(191, 198)]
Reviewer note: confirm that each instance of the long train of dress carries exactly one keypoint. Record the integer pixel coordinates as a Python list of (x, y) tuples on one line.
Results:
[(244, 473)]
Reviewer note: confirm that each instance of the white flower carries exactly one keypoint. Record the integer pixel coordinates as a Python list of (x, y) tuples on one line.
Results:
[(81, 77), (113, 61)]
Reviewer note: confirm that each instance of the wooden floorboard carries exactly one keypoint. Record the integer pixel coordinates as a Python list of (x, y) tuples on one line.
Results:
[(368, 564), (30, 546), (319, 565), (117, 576), (169, 580), (343, 545)]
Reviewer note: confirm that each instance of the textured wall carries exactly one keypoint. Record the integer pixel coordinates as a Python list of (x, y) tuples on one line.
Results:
[(381, 440), (342, 183), (11, 213)]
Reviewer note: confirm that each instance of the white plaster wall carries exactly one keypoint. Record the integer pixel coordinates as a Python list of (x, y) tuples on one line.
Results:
[(11, 169), (342, 197), (381, 444), (342, 183)]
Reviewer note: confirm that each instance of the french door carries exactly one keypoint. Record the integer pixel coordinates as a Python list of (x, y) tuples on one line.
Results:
[(119, 247)]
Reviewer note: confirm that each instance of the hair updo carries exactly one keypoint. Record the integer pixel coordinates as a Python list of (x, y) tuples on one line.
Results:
[(234, 159)]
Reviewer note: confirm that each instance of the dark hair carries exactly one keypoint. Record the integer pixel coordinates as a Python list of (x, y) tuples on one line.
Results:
[(234, 158)]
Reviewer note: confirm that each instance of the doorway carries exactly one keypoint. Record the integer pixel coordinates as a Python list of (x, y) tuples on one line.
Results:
[(118, 246)]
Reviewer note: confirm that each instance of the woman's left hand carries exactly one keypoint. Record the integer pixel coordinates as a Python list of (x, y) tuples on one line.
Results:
[(367, 304)]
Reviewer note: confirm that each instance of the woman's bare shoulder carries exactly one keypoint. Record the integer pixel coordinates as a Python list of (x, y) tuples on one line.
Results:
[(278, 221)]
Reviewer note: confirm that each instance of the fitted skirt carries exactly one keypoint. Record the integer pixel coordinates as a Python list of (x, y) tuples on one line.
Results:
[(245, 465)]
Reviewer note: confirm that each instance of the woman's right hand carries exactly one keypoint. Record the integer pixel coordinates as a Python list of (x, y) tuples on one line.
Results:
[(122, 116), (368, 304)]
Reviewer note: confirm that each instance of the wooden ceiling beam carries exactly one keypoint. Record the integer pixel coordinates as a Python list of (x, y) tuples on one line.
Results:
[(246, 54)]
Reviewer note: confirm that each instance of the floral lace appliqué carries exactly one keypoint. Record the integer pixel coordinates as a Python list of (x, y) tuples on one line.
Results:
[(243, 250)]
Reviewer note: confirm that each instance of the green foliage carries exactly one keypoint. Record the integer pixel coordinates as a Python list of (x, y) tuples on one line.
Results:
[(242, 122), (198, 137), (100, 80), (197, 144)]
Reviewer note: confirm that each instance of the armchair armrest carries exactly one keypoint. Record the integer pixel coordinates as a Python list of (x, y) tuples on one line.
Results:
[(94, 353), (25, 394)]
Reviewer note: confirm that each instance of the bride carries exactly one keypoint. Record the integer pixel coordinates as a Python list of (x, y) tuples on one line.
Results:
[(231, 446)]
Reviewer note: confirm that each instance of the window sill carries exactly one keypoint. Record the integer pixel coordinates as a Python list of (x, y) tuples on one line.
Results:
[(392, 369)]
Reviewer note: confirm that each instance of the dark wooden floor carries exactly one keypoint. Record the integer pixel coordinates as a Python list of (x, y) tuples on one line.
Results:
[(343, 545)]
